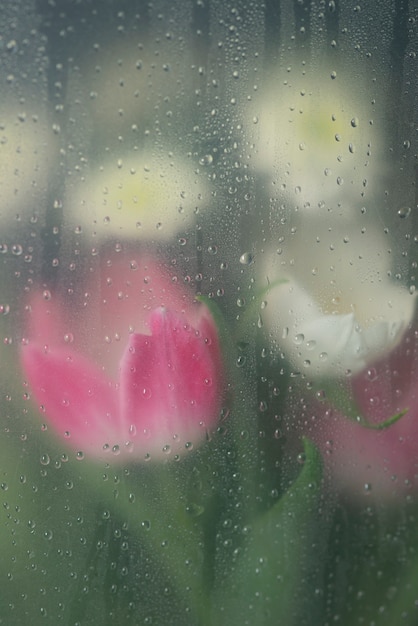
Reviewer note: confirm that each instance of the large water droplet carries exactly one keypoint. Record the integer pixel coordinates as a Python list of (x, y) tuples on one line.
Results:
[(404, 212), (246, 258)]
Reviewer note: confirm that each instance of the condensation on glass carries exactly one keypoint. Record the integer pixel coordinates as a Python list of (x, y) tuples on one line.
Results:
[(208, 281)]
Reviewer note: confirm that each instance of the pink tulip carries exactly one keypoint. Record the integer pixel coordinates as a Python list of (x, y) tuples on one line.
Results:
[(363, 462), (130, 367)]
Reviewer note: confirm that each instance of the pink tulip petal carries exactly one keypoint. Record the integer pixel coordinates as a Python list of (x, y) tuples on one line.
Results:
[(375, 463), (168, 381), (78, 401), (132, 314), (45, 319)]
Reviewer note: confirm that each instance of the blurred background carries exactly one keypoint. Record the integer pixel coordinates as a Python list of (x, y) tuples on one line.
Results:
[(266, 154)]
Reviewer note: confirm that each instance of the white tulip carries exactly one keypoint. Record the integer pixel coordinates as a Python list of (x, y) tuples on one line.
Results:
[(342, 339), (336, 309)]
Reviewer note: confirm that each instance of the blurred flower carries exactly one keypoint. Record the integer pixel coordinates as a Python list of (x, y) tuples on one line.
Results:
[(132, 175), (375, 463), (314, 137), (140, 197), (135, 370), (358, 325), (332, 306)]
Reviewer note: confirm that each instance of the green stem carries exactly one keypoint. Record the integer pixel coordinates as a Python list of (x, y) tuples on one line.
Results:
[(161, 522), (242, 423)]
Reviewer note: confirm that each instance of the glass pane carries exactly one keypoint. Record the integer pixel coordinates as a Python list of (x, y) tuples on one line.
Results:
[(208, 308)]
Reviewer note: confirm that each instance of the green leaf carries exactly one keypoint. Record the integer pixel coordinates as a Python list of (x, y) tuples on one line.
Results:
[(218, 317), (274, 576)]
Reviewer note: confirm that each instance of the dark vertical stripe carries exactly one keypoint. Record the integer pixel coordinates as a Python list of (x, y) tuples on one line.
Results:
[(53, 25), (200, 31), (400, 41), (332, 19), (302, 13), (272, 28), (399, 106)]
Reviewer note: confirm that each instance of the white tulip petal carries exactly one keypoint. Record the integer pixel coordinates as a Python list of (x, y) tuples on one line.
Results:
[(330, 345)]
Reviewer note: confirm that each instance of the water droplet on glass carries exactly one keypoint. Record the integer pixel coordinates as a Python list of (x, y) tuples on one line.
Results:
[(206, 160), (195, 510), (371, 374), (17, 249), (404, 212), (299, 339), (246, 258)]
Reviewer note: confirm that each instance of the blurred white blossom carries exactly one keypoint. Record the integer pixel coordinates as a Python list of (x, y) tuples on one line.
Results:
[(141, 197), (333, 309), (136, 179), (314, 138)]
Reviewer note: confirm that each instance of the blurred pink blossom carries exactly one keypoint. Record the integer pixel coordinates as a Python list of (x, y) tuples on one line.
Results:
[(378, 463), (129, 367)]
